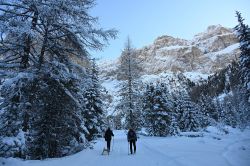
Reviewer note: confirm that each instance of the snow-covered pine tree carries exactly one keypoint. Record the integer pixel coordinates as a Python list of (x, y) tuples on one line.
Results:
[(243, 33), (51, 36), (229, 114), (190, 117), (174, 128), (35, 31), (13, 121), (54, 130), (162, 111), (208, 109), (148, 107), (235, 111), (129, 70), (93, 112), (158, 108)]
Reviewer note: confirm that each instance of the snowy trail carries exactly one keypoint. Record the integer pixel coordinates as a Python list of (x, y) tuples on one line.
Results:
[(232, 150)]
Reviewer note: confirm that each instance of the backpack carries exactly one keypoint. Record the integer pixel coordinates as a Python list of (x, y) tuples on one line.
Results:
[(132, 135)]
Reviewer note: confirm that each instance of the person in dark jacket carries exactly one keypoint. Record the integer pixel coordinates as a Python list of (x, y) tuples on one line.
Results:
[(132, 138), (108, 136)]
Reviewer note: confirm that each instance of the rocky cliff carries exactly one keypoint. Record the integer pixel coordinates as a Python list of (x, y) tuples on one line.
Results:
[(206, 53)]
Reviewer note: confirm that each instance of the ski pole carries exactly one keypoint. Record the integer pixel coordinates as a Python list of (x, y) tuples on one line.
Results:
[(113, 144), (128, 147)]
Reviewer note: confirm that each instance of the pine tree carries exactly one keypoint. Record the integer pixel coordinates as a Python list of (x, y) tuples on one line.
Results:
[(189, 115), (55, 130), (94, 113), (45, 99), (13, 121), (159, 115), (243, 33), (129, 71), (162, 111), (208, 109), (148, 106), (34, 31)]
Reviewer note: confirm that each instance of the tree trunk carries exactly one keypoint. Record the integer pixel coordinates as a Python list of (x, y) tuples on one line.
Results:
[(41, 58), (27, 38)]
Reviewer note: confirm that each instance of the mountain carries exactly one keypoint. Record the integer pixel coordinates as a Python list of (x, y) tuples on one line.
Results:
[(206, 53), (174, 60)]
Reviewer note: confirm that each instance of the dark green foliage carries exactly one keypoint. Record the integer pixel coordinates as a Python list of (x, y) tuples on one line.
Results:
[(189, 115), (48, 115), (93, 110), (243, 34), (55, 129), (50, 102), (158, 111)]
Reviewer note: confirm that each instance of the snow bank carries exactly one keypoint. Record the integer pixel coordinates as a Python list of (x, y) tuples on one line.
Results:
[(232, 149)]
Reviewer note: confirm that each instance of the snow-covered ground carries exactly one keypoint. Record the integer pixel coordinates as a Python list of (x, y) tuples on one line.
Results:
[(211, 148)]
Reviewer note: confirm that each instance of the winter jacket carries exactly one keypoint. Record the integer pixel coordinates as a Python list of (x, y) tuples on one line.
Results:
[(131, 135), (108, 135)]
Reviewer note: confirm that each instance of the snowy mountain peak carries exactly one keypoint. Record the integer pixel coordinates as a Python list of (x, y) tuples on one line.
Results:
[(166, 40), (207, 53), (211, 31)]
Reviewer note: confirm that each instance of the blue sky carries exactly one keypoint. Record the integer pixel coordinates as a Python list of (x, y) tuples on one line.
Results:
[(144, 20)]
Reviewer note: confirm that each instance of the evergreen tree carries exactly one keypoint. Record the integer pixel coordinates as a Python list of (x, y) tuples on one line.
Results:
[(243, 93), (128, 72), (45, 99), (13, 121), (148, 106), (35, 31), (208, 109), (235, 109), (159, 115), (162, 111), (243, 33), (54, 130), (189, 115), (94, 113)]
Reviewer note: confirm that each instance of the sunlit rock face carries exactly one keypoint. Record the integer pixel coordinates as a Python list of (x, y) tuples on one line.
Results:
[(206, 53)]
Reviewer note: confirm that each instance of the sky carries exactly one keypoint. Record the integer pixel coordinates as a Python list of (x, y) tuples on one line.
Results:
[(145, 20)]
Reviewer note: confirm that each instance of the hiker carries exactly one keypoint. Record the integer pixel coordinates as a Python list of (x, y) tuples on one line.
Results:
[(132, 138), (108, 136)]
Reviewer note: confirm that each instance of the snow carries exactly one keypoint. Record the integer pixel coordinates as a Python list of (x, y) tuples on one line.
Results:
[(111, 85), (229, 49), (196, 76), (193, 76), (174, 47), (12, 141), (213, 55), (9, 82), (231, 149), (223, 95)]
